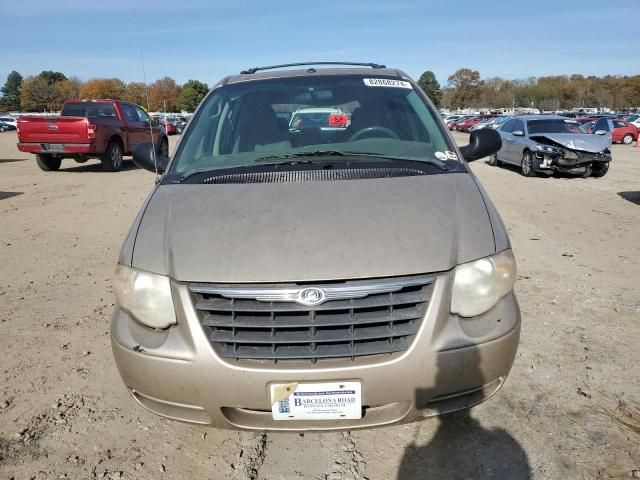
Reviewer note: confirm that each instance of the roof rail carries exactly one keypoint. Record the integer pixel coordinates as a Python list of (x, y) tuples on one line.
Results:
[(303, 64)]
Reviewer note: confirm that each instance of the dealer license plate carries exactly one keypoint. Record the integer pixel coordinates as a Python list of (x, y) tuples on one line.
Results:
[(54, 147), (316, 401)]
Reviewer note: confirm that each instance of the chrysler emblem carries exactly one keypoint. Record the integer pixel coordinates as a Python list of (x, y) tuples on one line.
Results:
[(311, 296)]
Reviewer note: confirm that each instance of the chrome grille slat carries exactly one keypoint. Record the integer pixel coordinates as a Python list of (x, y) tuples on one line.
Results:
[(326, 319), (321, 336), (357, 318), (304, 352), (379, 300)]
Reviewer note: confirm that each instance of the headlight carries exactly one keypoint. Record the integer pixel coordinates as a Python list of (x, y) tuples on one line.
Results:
[(547, 149), (478, 285), (145, 296)]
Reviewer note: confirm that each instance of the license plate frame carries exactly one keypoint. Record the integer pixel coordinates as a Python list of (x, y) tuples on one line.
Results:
[(341, 400), (54, 147)]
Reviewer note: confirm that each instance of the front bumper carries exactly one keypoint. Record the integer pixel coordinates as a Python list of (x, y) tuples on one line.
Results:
[(556, 162), (452, 364)]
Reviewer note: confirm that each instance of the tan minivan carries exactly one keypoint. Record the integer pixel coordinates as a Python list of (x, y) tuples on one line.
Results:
[(341, 270)]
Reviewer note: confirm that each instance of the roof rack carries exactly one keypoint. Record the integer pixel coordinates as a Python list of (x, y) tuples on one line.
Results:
[(271, 67)]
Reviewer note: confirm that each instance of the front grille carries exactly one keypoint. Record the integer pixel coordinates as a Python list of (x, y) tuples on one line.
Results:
[(357, 319)]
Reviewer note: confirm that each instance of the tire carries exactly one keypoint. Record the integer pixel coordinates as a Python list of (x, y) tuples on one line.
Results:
[(111, 159), (627, 139), (48, 163), (600, 170), (526, 165), (81, 160), (493, 160), (163, 148)]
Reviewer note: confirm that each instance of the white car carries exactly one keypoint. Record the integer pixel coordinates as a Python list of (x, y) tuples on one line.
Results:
[(635, 119), (9, 120)]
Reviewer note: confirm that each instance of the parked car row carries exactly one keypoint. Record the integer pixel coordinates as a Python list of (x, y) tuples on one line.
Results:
[(174, 124)]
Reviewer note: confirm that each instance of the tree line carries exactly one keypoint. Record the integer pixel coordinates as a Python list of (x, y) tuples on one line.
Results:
[(466, 89), (48, 90)]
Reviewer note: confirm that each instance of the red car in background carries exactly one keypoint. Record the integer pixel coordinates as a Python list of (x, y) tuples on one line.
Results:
[(624, 132), (465, 125), (169, 127)]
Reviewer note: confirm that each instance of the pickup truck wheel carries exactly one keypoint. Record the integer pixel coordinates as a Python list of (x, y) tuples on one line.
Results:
[(600, 170), (526, 165), (627, 139), (48, 162), (163, 150), (112, 158)]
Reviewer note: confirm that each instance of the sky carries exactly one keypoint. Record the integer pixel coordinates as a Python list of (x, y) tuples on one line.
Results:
[(209, 39)]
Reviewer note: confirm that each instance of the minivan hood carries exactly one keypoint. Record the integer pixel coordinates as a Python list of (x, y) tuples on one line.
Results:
[(313, 231), (576, 141)]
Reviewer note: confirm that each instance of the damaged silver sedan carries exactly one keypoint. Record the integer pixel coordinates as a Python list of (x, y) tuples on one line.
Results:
[(548, 144)]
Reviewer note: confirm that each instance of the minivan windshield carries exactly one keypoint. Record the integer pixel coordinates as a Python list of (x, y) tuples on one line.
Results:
[(247, 123)]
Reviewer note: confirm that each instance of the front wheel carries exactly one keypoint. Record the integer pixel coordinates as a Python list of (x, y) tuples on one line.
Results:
[(48, 163), (493, 160), (600, 170), (526, 165), (627, 139), (111, 159)]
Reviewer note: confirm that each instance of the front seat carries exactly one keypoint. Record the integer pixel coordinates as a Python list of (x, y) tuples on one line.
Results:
[(259, 126)]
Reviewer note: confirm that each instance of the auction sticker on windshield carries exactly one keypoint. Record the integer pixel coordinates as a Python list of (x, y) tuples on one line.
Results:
[(386, 82), (316, 401)]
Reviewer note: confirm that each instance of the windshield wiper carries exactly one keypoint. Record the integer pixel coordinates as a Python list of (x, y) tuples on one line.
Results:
[(307, 158), (345, 153)]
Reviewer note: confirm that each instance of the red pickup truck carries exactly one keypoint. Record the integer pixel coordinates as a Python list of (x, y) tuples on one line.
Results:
[(104, 129)]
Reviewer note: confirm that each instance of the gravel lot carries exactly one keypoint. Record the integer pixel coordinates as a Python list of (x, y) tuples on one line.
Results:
[(570, 409)]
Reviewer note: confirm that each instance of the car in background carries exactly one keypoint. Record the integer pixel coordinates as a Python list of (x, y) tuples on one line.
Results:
[(494, 123), (178, 122), (466, 124), (552, 144), (5, 126), (106, 129), (452, 118), (169, 127), (633, 118), (10, 120), (623, 132), (453, 123)]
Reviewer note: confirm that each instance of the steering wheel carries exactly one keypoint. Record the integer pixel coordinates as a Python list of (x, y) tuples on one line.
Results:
[(387, 132)]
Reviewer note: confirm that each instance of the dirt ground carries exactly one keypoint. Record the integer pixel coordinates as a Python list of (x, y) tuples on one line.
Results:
[(569, 410)]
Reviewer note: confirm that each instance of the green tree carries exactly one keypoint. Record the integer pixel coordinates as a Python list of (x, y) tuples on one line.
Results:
[(430, 87), (464, 84), (11, 92), (192, 94), (37, 95), (52, 77)]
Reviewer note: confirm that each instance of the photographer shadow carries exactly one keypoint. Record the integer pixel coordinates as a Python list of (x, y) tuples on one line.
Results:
[(462, 448)]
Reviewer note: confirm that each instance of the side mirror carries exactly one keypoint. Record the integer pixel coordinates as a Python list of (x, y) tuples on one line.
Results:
[(145, 156), (518, 133), (482, 143), (601, 132)]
